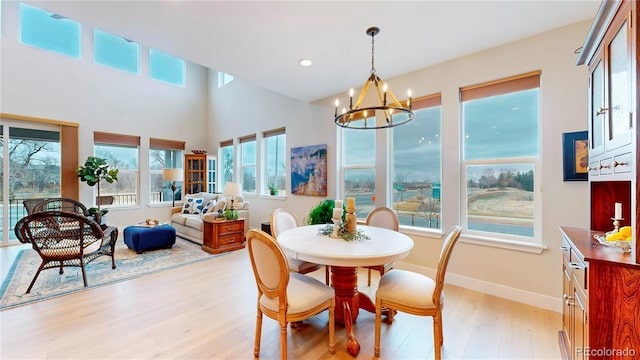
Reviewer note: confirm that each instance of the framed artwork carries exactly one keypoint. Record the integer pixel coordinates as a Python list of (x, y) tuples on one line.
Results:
[(309, 170), (575, 155)]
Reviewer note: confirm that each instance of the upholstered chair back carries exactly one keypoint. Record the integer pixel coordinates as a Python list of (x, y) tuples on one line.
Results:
[(282, 220), (451, 237), (383, 217)]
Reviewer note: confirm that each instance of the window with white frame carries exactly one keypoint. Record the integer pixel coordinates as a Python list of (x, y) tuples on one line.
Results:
[(166, 68), (225, 161), (501, 158), (224, 79), (275, 162), (248, 163), (358, 167), (116, 52), (49, 31), (121, 152), (164, 154), (416, 167)]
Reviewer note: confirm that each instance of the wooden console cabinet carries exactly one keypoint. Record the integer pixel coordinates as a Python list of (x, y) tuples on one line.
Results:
[(601, 294), (223, 236), (601, 284)]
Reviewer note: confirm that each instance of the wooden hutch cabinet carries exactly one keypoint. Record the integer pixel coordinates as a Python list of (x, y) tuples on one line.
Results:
[(199, 173), (601, 284)]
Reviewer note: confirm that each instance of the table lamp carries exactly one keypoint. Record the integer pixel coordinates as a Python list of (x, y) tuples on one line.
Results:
[(172, 175), (231, 190)]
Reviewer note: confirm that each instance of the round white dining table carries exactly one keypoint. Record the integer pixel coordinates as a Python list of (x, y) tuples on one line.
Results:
[(344, 257)]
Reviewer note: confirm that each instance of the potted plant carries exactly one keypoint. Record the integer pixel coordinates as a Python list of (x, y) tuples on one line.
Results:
[(323, 213), (273, 189), (95, 170), (229, 214)]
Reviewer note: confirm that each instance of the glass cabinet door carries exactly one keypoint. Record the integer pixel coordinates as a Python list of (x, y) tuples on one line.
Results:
[(597, 109), (619, 91)]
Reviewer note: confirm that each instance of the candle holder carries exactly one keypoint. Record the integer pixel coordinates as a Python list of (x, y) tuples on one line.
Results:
[(616, 224)]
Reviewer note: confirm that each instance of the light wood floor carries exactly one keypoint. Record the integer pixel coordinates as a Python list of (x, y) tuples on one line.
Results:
[(207, 311)]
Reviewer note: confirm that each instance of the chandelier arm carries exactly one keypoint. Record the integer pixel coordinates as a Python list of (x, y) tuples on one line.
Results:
[(394, 99), (365, 88), (380, 96)]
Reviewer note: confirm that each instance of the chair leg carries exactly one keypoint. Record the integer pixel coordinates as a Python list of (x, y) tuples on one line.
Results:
[(332, 329), (326, 275), (256, 347), (368, 277), (61, 268), (35, 277), (84, 273), (376, 346), (437, 335), (283, 341)]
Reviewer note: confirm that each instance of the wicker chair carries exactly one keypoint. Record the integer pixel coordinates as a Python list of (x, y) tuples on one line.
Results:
[(65, 239), (60, 204)]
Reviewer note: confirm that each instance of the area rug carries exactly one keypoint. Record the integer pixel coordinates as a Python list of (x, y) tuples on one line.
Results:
[(129, 265)]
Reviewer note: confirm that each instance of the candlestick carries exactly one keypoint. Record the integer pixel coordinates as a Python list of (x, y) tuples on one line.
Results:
[(618, 212), (351, 203), (350, 218), (338, 204), (337, 213)]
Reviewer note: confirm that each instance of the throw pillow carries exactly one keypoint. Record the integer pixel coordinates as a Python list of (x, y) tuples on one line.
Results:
[(192, 205), (208, 207)]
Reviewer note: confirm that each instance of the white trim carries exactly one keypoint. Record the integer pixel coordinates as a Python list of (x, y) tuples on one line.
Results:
[(531, 247), (506, 292)]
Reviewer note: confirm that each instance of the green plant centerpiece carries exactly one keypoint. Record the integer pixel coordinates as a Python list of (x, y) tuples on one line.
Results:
[(94, 171), (323, 213), (273, 189)]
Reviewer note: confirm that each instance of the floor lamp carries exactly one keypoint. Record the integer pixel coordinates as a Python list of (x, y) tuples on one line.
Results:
[(172, 175)]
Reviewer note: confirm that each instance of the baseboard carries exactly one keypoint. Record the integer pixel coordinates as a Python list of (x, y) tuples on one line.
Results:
[(506, 292)]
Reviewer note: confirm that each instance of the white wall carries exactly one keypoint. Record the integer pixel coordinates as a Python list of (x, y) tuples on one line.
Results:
[(40, 83), (240, 109)]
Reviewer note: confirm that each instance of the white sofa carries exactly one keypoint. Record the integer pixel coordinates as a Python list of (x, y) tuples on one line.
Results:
[(191, 225)]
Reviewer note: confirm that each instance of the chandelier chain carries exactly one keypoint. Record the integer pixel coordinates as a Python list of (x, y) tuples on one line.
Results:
[(373, 68)]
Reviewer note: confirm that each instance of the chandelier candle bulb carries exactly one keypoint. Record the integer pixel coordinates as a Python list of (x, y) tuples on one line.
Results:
[(350, 98), (384, 90), (618, 212)]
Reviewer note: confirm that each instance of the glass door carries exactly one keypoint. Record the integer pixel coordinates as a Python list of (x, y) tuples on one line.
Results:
[(30, 170)]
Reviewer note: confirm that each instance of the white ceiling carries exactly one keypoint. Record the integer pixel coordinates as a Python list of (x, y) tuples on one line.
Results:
[(262, 41)]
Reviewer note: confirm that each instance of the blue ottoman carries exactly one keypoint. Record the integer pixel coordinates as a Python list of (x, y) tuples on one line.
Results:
[(140, 238)]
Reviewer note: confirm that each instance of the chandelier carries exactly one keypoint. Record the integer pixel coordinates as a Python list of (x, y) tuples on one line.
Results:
[(384, 115)]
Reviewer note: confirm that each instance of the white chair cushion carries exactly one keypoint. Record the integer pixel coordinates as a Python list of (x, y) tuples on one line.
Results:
[(303, 293), (300, 266), (408, 288)]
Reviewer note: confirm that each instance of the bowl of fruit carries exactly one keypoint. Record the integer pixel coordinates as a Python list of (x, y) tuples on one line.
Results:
[(620, 238)]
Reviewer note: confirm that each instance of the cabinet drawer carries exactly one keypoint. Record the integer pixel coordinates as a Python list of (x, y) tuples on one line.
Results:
[(566, 250), (579, 270), (230, 240), (232, 227), (622, 163)]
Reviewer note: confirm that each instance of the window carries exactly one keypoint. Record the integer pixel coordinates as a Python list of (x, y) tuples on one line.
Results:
[(167, 68), (121, 152), (224, 79), (248, 163), (500, 123), (358, 167), (417, 159), (115, 52), (225, 154), (275, 162), (164, 154), (49, 31)]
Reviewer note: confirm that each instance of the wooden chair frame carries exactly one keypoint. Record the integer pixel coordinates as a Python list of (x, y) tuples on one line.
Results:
[(273, 288), (450, 239)]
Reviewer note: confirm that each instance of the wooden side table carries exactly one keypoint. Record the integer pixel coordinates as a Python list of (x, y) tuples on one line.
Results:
[(223, 236)]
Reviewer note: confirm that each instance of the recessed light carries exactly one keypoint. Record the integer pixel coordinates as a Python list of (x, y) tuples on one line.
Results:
[(305, 62)]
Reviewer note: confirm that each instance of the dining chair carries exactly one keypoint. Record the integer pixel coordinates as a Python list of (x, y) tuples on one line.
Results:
[(281, 220), (283, 295), (416, 294), (385, 218)]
